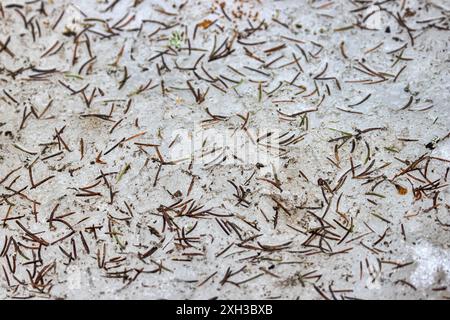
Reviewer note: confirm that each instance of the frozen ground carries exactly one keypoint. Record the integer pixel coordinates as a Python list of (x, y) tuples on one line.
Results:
[(229, 149)]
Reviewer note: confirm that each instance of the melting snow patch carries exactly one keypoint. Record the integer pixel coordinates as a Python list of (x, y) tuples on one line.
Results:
[(430, 260)]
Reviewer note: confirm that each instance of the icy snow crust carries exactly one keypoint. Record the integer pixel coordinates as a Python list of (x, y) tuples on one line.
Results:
[(347, 199)]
